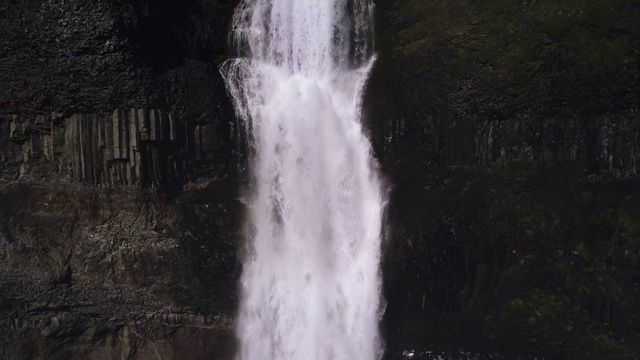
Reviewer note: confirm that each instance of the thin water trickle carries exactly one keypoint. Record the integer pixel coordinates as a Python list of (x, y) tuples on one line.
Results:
[(310, 283)]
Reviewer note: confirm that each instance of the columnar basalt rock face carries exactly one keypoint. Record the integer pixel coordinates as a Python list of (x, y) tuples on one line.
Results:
[(118, 180), (114, 92), (468, 84), (511, 133), (467, 128), (126, 147)]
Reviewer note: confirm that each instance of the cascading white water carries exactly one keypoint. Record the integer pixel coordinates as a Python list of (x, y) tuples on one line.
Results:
[(310, 283)]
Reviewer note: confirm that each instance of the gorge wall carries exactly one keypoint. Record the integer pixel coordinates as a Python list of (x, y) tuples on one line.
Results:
[(114, 92), (127, 147), (119, 178), (509, 134)]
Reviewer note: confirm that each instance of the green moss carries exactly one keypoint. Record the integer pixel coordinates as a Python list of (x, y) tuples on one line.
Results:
[(564, 240), (541, 318), (506, 43), (536, 317), (599, 343)]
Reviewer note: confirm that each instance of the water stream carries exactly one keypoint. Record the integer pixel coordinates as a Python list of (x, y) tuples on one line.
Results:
[(310, 287)]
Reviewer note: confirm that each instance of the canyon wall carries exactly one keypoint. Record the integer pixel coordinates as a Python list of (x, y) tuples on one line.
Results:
[(120, 167), (126, 147), (508, 133)]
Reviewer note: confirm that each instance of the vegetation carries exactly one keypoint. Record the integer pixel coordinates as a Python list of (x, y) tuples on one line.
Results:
[(517, 258), (576, 246), (507, 43)]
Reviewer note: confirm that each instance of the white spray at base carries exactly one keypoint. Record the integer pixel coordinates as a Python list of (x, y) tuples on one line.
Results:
[(310, 284)]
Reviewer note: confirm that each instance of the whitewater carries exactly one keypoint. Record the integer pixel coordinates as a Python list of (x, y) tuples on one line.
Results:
[(310, 287)]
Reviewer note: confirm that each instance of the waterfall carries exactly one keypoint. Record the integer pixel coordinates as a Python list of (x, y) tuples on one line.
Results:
[(310, 287)]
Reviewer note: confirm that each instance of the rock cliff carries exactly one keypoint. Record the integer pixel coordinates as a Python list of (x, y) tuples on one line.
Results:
[(125, 147), (119, 177), (509, 134)]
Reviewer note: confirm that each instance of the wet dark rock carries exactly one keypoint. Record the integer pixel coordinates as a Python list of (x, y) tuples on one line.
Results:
[(75, 57), (123, 147), (468, 84), (84, 267), (119, 217), (509, 134)]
